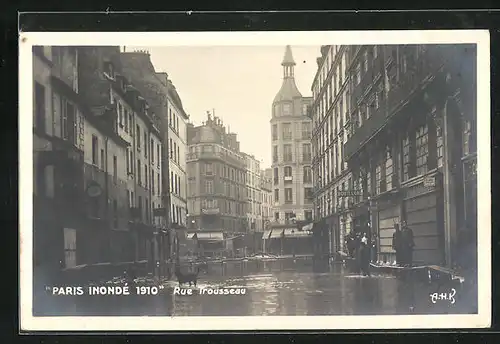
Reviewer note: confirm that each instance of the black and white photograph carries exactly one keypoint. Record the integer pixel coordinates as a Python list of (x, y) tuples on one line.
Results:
[(243, 181)]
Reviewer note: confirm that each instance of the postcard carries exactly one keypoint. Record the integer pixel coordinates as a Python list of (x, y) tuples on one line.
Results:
[(254, 180)]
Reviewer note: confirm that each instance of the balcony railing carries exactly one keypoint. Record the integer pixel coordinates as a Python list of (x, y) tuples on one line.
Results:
[(214, 155), (418, 71)]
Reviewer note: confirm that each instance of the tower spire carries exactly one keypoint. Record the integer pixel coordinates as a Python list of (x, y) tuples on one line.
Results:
[(288, 63)]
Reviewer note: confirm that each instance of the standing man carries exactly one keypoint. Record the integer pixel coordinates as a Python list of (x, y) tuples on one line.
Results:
[(373, 248), (408, 244), (364, 255), (396, 243)]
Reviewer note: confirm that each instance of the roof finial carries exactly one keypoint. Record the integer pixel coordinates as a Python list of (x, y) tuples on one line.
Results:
[(288, 57)]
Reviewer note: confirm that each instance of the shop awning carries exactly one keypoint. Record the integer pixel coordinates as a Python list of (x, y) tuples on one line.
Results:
[(295, 233), (276, 233), (267, 234), (210, 236)]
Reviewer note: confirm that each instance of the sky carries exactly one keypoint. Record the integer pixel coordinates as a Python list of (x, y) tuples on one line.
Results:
[(239, 83)]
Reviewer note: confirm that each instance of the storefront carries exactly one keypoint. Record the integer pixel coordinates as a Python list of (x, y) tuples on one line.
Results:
[(275, 242), (388, 214), (210, 244), (265, 240), (423, 212), (333, 231), (297, 241)]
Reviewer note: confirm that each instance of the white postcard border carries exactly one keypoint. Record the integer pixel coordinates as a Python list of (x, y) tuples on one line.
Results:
[(207, 323)]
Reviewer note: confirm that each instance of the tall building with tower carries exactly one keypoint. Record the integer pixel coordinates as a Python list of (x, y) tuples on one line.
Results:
[(291, 149)]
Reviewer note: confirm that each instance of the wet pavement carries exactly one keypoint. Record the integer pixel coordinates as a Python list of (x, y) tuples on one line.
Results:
[(271, 289)]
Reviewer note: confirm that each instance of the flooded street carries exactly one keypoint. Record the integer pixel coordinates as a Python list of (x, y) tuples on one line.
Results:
[(273, 290)]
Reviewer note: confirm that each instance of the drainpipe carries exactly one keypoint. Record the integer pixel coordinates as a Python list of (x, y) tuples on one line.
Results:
[(167, 201), (106, 193), (449, 187)]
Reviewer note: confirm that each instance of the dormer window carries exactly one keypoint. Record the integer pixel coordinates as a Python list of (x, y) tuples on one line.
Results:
[(287, 109)]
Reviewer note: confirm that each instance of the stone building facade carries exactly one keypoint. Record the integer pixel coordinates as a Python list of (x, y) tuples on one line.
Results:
[(411, 146), (291, 149), (217, 198), (330, 111), (96, 171), (253, 193)]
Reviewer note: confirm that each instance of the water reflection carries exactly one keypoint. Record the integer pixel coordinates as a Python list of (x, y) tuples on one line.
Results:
[(271, 289)]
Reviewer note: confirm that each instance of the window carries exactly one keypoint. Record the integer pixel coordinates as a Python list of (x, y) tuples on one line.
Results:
[(288, 195), (378, 178), (308, 195), (275, 155), (125, 115), (365, 60), (146, 175), (276, 216), (103, 161), (115, 214), (276, 175), (308, 215), (39, 107), (152, 152), (115, 169), (305, 109), (306, 130), (139, 180), (276, 195), (95, 150), (287, 153), (288, 171), (153, 190), (171, 145), (120, 114), (307, 175), (158, 150), (208, 168), (375, 52), (287, 109), (175, 152), (287, 131), (440, 146), (274, 132), (138, 130), (145, 145), (389, 170), (130, 124), (306, 152), (422, 149), (209, 186), (128, 161), (158, 183), (68, 121), (172, 181), (69, 248), (289, 216)]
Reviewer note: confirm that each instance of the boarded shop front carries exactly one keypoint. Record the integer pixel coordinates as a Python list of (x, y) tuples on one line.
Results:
[(387, 217), (423, 207)]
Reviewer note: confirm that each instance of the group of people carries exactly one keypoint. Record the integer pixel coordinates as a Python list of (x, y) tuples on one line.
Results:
[(363, 249), (403, 244)]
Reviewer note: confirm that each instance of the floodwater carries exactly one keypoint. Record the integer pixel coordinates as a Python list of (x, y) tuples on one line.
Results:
[(272, 289)]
